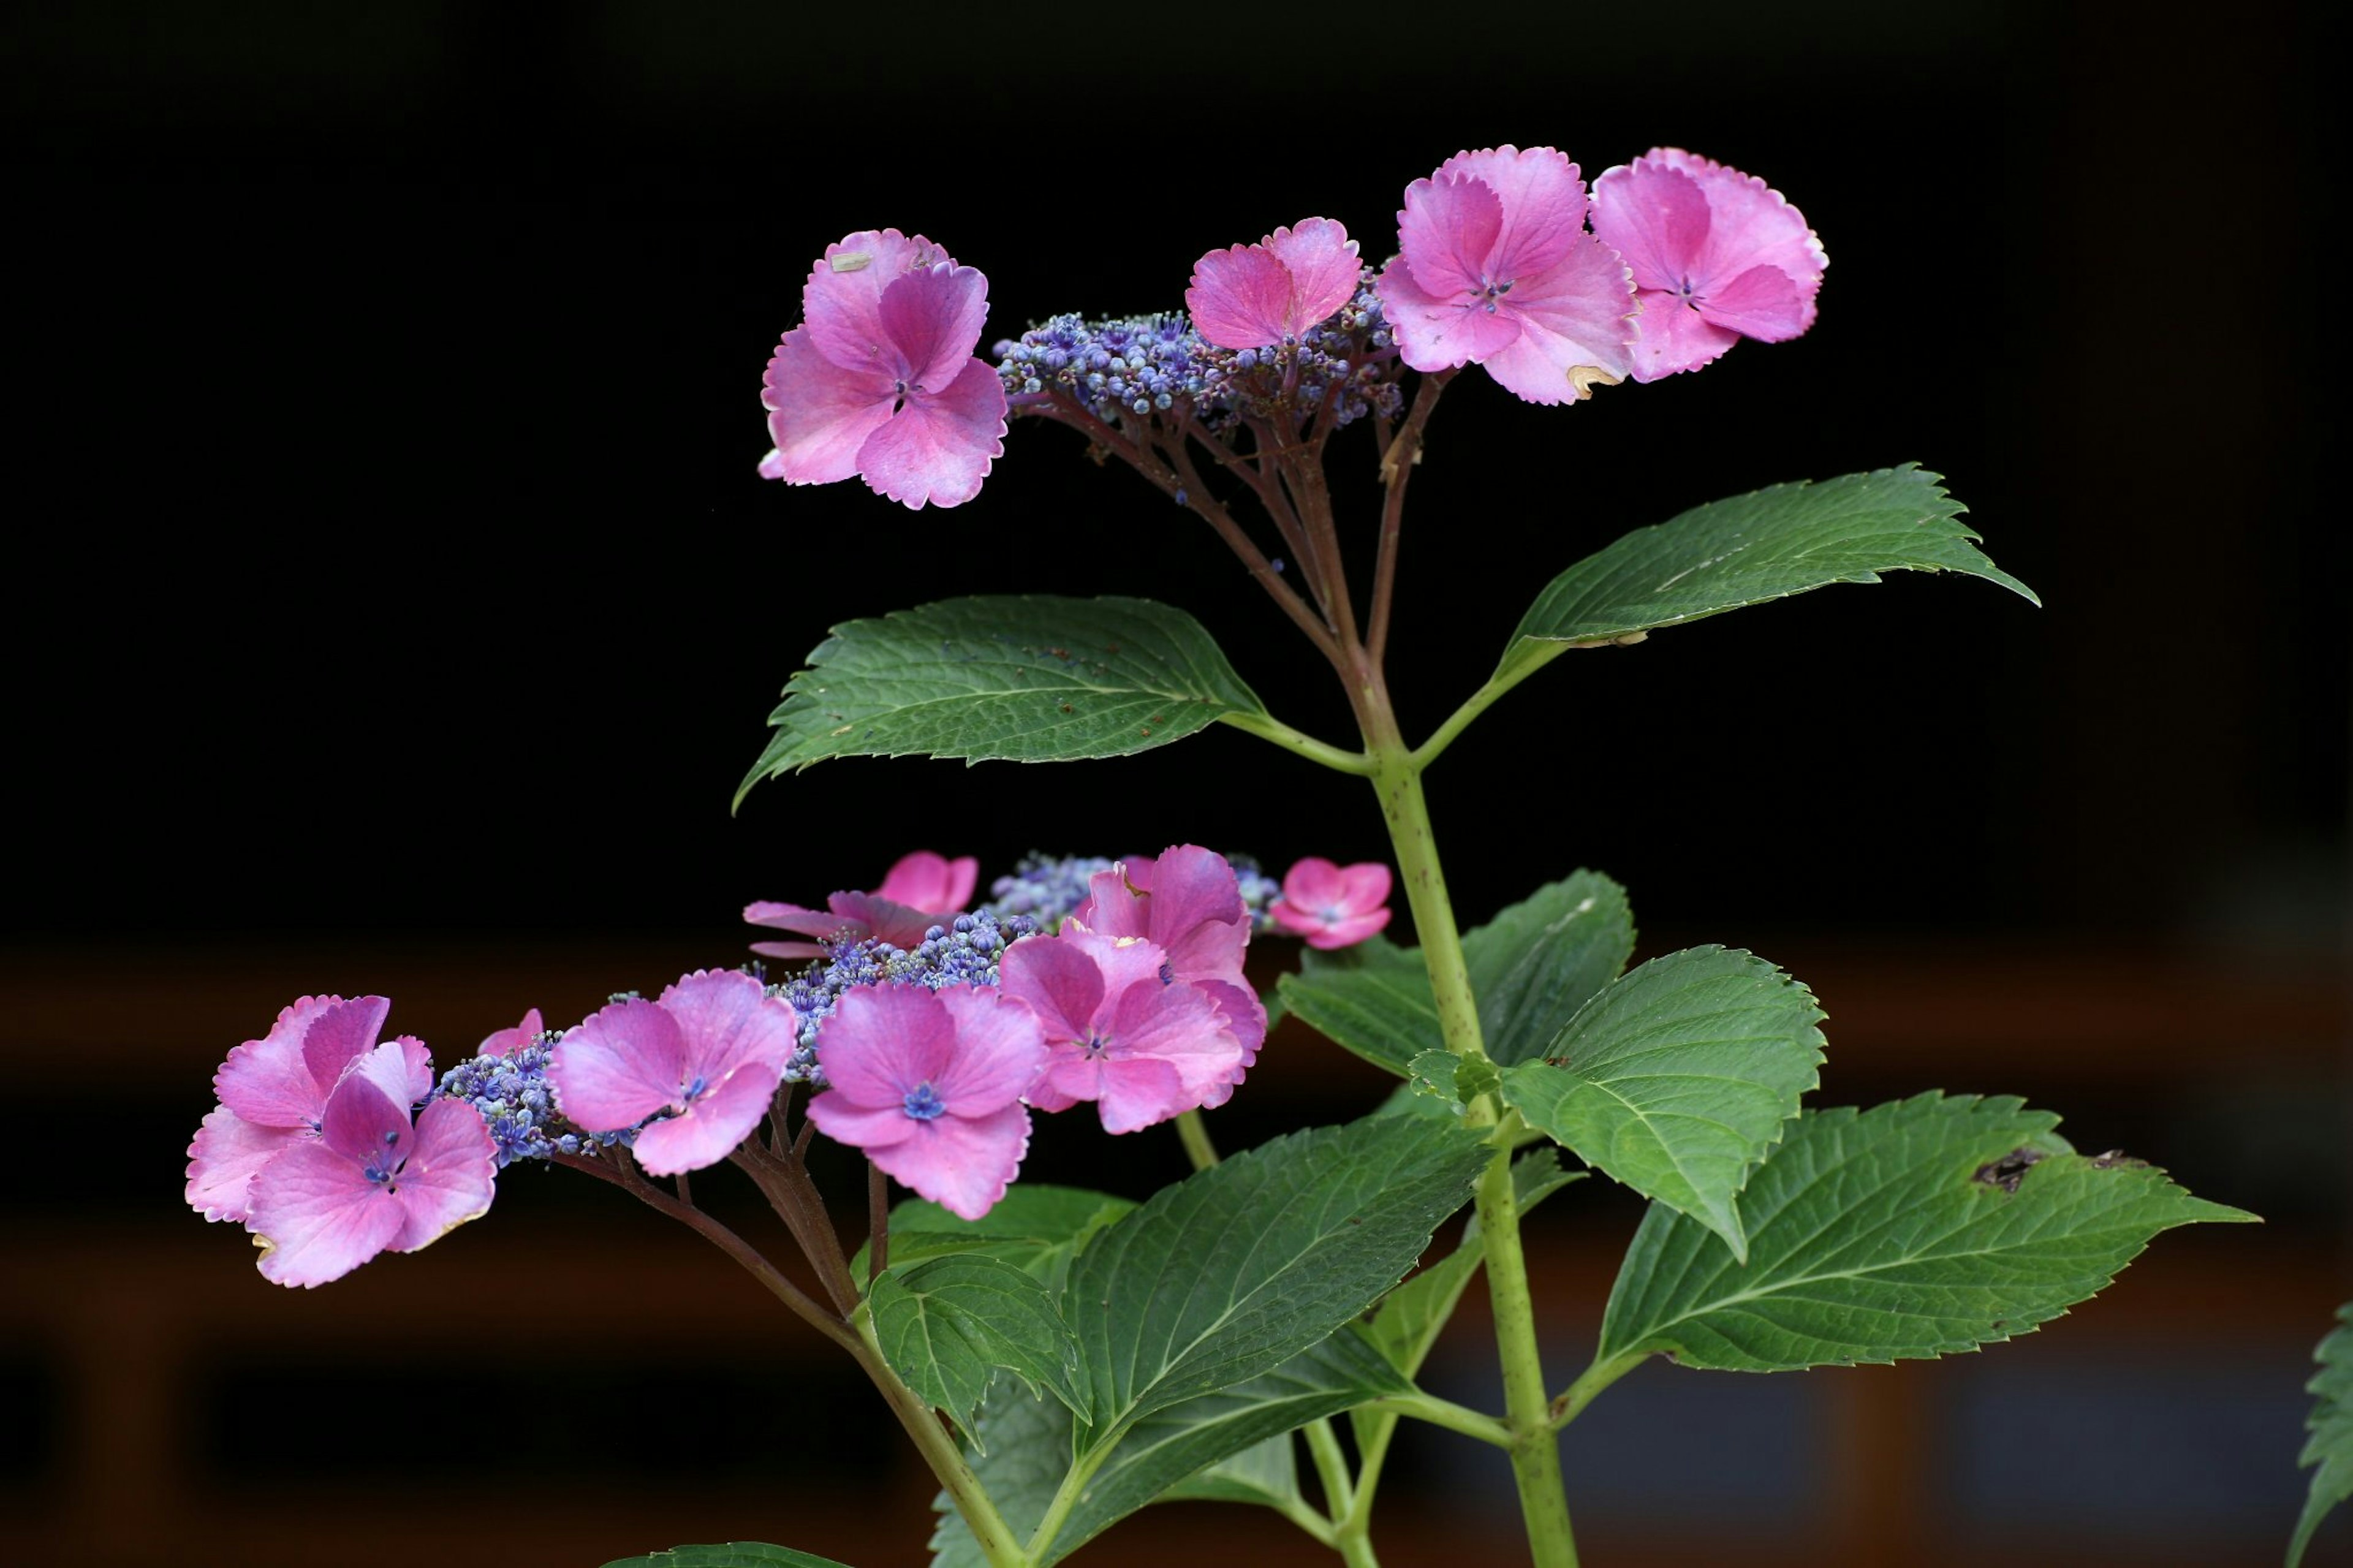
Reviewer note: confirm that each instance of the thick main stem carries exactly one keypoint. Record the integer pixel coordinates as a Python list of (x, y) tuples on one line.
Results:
[(1534, 1451), (941, 1452)]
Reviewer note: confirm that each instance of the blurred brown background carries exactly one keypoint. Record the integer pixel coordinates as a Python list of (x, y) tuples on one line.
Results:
[(398, 609)]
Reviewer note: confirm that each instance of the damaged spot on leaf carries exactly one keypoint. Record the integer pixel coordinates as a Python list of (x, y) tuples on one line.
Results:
[(2116, 1159), (2006, 1172)]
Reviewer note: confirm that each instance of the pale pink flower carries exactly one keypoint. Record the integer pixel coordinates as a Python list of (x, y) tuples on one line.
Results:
[(1250, 296), (708, 1052), (371, 1182), (880, 380), (273, 1092), (1125, 1031), (1333, 906), (929, 1083), (1717, 256), (1187, 903), (915, 892), (1495, 269)]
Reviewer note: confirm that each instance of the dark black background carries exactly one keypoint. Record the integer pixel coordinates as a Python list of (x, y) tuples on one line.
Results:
[(390, 409)]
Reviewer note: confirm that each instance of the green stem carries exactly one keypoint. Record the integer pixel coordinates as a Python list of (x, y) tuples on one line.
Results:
[(1444, 1413), (940, 1452), (1196, 1139), (1305, 745), (1066, 1498), (1590, 1383), (1533, 1448), (1521, 665), (1332, 1469)]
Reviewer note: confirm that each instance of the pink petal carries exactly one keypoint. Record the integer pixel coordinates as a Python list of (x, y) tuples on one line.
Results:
[(401, 1067), (1245, 1015), (1762, 303), (1542, 200), (788, 950), (861, 1127), (1446, 233), (341, 1034), (1181, 1025), (1656, 216), (1577, 327), (1112, 906), (1240, 297), (938, 447), (707, 1130), (1749, 225), (316, 1216), (961, 1165), (820, 923), (1435, 334), (226, 1156), (1139, 1092), (842, 301), (883, 919), (507, 1042), (1365, 885), (1195, 912), (1348, 931), (620, 1066), (1324, 266), (932, 883), (451, 1176), (772, 466), (1056, 978), (363, 1124), (932, 319), (269, 1081), (1315, 883), (1000, 1050), (1674, 337), (881, 1041), (728, 1021), (819, 414)]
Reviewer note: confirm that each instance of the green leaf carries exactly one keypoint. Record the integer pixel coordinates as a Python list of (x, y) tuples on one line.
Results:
[(947, 1324), (1749, 549), (1409, 1319), (1023, 679), (1373, 998), (2331, 1424), (1266, 1473), (1237, 1268), (734, 1554), (1678, 1076), (1169, 1454), (1891, 1235), (1455, 1082), (1535, 964), (1036, 1227)]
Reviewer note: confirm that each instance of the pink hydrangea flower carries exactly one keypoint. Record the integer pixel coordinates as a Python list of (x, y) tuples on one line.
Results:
[(1125, 1031), (880, 380), (507, 1042), (1495, 269), (918, 890), (1717, 256), (710, 1051), (1188, 903), (371, 1182), (929, 1083), (1334, 906), (273, 1092), (1249, 296)]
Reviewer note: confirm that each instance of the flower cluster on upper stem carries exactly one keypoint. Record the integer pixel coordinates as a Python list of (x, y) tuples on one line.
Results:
[(1503, 260)]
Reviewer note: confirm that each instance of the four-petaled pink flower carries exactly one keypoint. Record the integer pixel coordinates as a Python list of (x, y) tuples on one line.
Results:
[(273, 1092), (370, 1182), (1495, 269), (1250, 296), (710, 1051), (1334, 906), (1188, 903), (929, 1083), (1126, 1032), (919, 888), (880, 379), (1717, 256)]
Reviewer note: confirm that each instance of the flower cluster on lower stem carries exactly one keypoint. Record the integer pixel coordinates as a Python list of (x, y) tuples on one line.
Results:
[(518, 1104)]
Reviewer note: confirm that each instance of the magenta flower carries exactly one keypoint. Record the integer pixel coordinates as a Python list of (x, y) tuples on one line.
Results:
[(880, 380), (1187, 903), (1334, 906), (370, 1182), (507, 1042), (273, 1092), (1249, 296), (1125, 1031), (1495, 269), (929, 1083), (1717, 256), (918, 890), (708, 1052)]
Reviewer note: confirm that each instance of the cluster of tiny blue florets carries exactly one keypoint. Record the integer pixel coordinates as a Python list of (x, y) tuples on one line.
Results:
[(1146, 365), (1046, 888), (518, 1107), (962, 951)]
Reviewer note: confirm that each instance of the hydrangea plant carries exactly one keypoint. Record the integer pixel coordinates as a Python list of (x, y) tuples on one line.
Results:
[(1028, 1339)]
